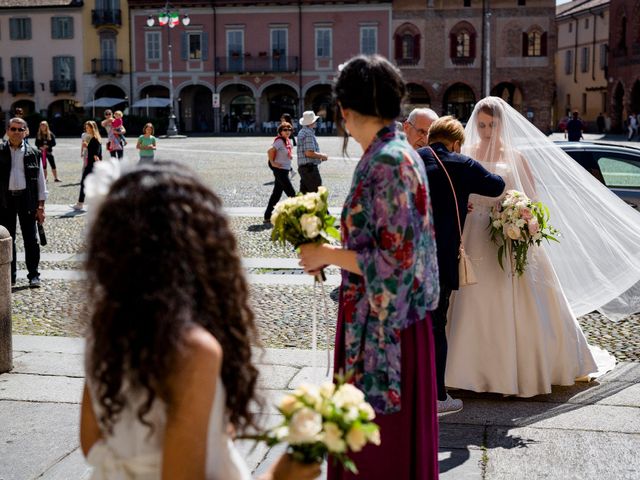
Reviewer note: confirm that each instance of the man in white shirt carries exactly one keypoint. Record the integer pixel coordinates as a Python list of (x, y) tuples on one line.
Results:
[(23, 192)]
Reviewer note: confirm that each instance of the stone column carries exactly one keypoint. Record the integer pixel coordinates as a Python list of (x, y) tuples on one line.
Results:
[(6, 350)]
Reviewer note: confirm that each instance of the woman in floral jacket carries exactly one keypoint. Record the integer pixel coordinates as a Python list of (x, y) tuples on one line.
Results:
[(389, 278)]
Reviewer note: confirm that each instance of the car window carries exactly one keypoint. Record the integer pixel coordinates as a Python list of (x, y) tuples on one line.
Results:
[(620, 170), (586, 160)]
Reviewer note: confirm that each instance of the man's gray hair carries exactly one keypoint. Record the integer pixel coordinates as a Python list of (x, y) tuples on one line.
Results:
[(422, 111), (19, 120)]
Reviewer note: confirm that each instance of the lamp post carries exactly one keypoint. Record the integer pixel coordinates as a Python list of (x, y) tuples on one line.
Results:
[(170, 18)]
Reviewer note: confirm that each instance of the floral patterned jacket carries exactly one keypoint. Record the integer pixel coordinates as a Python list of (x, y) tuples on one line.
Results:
[(387, 220)]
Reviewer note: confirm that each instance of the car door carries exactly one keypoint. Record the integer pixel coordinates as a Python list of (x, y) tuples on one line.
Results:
[(621, 173)]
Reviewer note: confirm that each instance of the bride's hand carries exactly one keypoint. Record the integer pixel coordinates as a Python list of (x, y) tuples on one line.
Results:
[(312, 257), (469, 207)]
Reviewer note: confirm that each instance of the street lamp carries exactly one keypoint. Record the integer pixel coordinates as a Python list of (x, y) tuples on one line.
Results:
[(169, 17)]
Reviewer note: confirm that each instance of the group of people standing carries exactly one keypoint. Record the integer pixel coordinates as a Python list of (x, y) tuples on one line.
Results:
[(169, 370)]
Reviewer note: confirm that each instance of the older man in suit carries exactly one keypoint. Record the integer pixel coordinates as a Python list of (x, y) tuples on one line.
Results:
[(23, 192), (446, 137)]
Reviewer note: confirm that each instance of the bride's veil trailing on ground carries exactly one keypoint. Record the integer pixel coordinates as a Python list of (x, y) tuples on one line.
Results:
[(598, 258)]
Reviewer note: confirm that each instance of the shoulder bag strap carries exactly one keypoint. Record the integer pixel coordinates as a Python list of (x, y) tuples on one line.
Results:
[(453, 190)]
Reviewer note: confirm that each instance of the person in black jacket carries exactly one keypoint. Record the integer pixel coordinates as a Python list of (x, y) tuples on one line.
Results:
[(45, 141), (23, 192), (446, 137)]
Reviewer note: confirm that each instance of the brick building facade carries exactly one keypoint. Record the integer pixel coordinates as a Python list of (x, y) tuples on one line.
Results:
[(452, 53)]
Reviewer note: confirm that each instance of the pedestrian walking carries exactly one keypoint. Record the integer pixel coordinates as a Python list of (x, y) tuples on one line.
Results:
[(45, 141), (147, 144), (94, 154), (23, 192), (280, 155), (309, 155), (574, 129)]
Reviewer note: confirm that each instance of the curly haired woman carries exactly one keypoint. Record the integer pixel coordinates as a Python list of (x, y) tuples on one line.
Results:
[(169, 369)]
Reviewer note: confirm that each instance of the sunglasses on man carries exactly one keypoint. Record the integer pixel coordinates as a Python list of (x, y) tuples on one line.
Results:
[(16, 129)]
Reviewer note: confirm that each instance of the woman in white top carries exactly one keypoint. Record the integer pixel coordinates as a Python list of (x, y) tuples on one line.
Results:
[(168, 367), (280, 155)]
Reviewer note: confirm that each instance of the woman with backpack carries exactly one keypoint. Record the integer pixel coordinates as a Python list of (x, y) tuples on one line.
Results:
[(280, 155)]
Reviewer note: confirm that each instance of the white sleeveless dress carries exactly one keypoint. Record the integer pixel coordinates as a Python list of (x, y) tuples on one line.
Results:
[(133, 453), (508, 334)]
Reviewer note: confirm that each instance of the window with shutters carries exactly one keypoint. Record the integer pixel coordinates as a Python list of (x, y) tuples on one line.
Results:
[(21, 75), (584, 59), (194, 40), (368, 40), (534, 43), (568, 62), (462, 40), (63, 68), (407, 44), (235, 50), (152, 46), (323, 43), (20, 28), (61, 27), (604, 53)]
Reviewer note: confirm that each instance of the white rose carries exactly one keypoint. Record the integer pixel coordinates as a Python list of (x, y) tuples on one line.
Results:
[(513, 232), (374, 437), (327, 389), (348, 395), (496, 224), (310, 225), (356, 438), (281, 433), (332, 438), (367, 411), (520, 223), (289, 404), (352, 414), (310, 393), (322, 190), (305, 426)]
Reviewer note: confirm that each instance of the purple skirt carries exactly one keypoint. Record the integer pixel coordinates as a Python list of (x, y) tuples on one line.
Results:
[(409, 449)]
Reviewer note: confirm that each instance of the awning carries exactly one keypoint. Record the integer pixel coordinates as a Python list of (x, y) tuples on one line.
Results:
[(152, 102), (104, 102)]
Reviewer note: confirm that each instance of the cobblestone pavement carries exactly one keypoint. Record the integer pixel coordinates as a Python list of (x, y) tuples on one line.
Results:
[(235, 168)]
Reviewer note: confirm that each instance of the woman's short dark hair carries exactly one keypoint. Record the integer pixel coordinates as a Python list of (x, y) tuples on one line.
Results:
[(287, 118), (370, 85), (284, 125), (162, 259)]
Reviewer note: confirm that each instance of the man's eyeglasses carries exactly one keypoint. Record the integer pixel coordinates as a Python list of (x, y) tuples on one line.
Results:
[(421, 131), (16, 129)]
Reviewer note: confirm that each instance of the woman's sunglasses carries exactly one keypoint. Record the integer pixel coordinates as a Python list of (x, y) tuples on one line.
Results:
[(286, 130)]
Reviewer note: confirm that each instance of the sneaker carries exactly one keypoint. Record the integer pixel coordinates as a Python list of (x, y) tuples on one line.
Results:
[(57, 180), (450, 405), (34, 282), (76, 207), (267, 221)]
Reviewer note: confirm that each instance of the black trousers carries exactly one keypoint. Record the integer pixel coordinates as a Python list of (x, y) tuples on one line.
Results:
[(439, 321), (85, 171), (116, 154), (18, 207), (310, 178), (282, 184)]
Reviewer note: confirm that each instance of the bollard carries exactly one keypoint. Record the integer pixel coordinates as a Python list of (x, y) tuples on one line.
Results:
[(6, 350)]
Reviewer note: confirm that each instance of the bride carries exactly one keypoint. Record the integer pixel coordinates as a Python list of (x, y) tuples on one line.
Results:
[(519, 335)]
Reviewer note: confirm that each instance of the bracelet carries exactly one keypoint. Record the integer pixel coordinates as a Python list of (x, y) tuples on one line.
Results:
[(40, 208)]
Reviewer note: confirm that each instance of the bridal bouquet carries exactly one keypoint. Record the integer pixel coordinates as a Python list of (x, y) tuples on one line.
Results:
[(517, 223), (304, 219), (328, 420)]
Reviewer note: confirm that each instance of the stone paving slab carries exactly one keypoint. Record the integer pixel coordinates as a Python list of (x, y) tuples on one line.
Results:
[(460, 464), (35, 436), (40, 388), (34, 343), (48, 363), (529, 453), (457, 436), (275, 377), (548, 415), (73, 466), (312, 375)]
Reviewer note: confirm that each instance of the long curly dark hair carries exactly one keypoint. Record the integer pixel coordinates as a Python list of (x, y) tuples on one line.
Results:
[(161, 259)]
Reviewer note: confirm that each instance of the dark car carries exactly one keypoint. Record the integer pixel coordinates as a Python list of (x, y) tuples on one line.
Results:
[(617, 166)]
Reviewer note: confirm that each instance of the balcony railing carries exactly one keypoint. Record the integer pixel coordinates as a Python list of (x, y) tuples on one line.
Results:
[(1, 84), (407, 62), (21, 86), (62, 86), (260, 64), (106, 17), (106, 66)]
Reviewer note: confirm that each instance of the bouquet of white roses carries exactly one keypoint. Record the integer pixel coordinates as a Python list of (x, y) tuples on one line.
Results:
[(516, 223), (304, 219), (327, 420)]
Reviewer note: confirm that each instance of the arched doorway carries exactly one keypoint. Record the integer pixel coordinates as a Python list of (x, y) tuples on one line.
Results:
[(237, 107), (320, 100), (417, 97), (112, 91), (635, 98), (509, 93), (195, 109), (64, 117), (617, 110), (459, 101)]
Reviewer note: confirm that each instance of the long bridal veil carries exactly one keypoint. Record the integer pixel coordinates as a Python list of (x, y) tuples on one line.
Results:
[(598, 258)]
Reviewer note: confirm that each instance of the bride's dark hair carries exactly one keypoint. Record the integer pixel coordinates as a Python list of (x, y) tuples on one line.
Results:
[(162, 259)]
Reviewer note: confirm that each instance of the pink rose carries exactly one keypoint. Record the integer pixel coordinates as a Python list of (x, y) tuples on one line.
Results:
[(526, 214), (533, 226)]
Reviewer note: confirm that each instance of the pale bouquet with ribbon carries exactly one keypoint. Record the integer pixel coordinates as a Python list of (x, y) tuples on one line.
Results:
[(517, 223), (330, 420)]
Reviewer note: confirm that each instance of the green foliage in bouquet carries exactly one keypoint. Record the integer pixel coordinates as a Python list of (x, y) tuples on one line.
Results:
[(304, 219), (515, 224)]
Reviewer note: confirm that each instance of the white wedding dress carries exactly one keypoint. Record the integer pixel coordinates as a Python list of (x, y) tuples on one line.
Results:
[(508, 334), (133, 453)]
